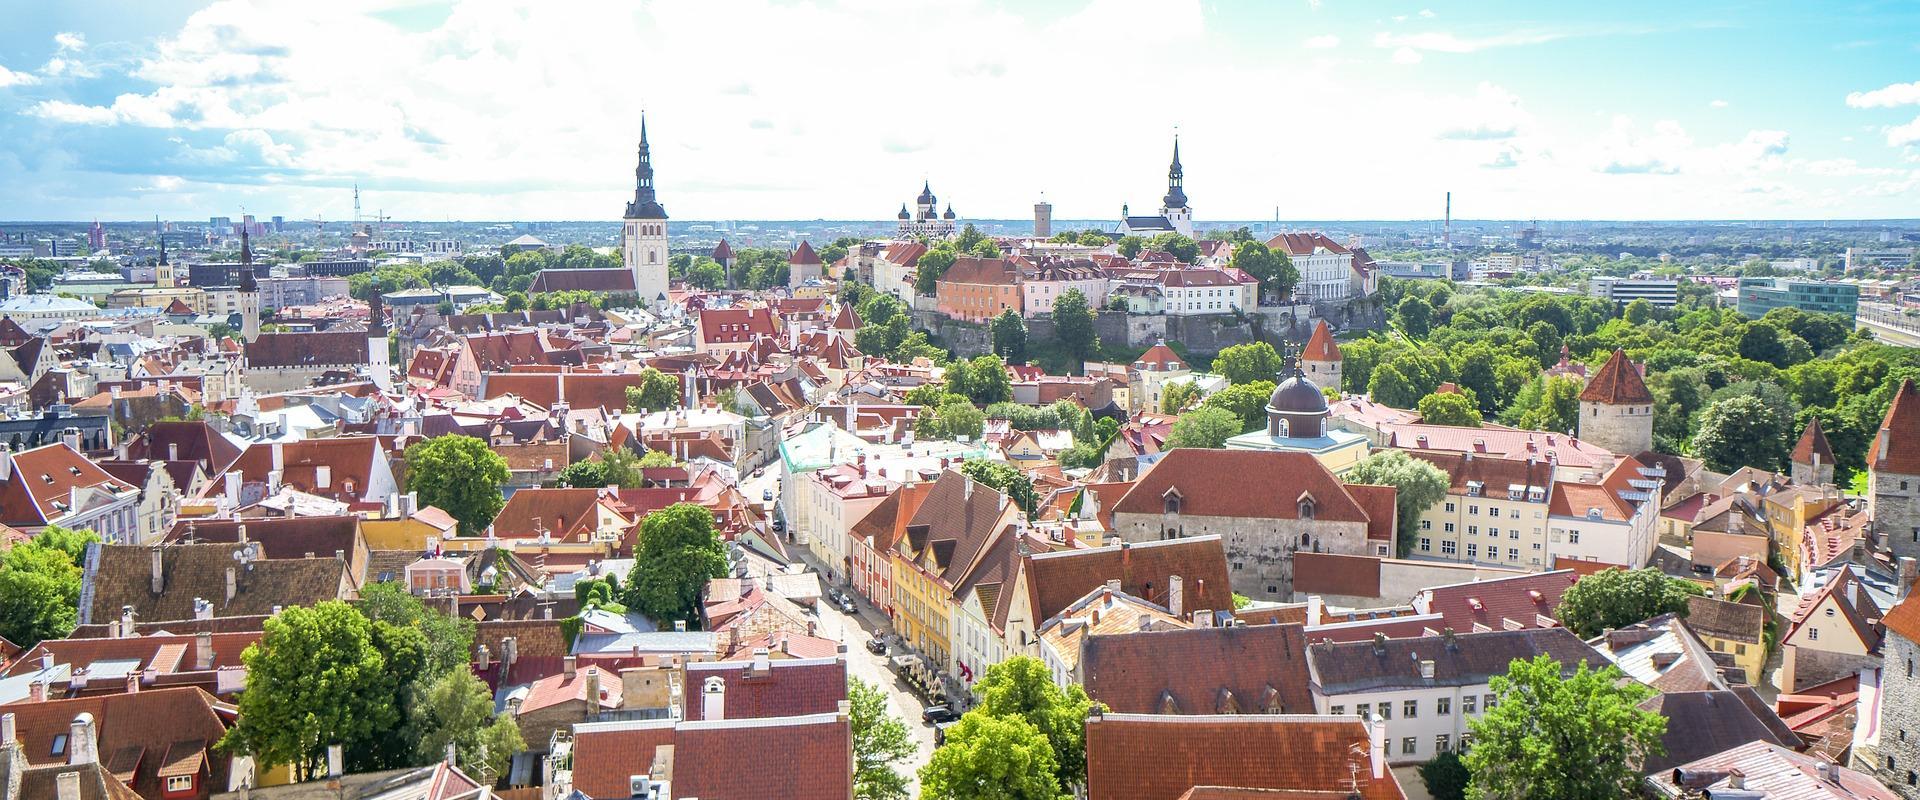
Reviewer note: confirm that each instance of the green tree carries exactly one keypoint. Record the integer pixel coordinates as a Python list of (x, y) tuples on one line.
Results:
[(1445, 777), (1177, 396), (880, 743), (1638, 312), (992, 758), (1204, 428), (316, 677), (932, 264), (1390, 385), (456, 708), (1415, 317), (1417, 486), (1616, 598), (1005, 479), (1274, 270), (1073, 328), (955, 417), (1182, 247), (1131, 245), (677, 554), (459, 475), (516, 301), (988, 381), (1562, 738), (657, 391), (1549, 404), (40, 586), (1248, 401), (1022, 688), (449, 639), (1010, 337), (1740, 432), (1450, 408), (1246, 363)]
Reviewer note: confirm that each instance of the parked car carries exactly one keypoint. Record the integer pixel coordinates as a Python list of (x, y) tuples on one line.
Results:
[(940, 732), (767, 496), (877, 647), (847, 606), (938, 714)]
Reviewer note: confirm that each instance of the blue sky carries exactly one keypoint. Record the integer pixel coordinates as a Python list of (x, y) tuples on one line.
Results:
[(839, 108)]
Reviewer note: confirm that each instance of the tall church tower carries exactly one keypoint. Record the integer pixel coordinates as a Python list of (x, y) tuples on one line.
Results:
[(1174, 205), (644, 238), (249, 291), (379, 364), (162, 271)]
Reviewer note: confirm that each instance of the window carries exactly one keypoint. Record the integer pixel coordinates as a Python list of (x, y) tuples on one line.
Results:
[(1473, 530), (1449, 508), (1306, 509), (1408, 745), (1443, 707), (1426, 524), (60, 744), (1467, 704), (1493, 532), (1573, 537), (1491, 702), (1513, 554), (1448, 527), (1386, 710), (1829, 612), (1337, 710), (1473, 550), (1363, 710), (1473, 511), (1410, 709), (1813, 633), (1446, 548), (180, 783), (1441, 743), (1513, 533), (1426, 544)]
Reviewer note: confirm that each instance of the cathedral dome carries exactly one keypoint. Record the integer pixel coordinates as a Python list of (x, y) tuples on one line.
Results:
[(926, 194), (949, 214), (1297, 395), (903, 212)]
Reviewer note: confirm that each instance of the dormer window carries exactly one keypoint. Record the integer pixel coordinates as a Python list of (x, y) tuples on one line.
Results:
[(1593, 513), (1306, 508), (1173, 504)]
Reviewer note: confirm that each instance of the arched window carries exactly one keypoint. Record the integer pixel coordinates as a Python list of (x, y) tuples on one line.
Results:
[(1172, 504), (1306, 510)]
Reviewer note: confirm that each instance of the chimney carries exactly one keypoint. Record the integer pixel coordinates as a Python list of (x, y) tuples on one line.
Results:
[(159, 579), (566, 667), (1831, 771), (592, 676), (1174, 599), (9, 732), (202, 609), (66, 786), (1737, 780), (713, 699), (232, 584), (762, 662), (1909, 570), (133, 683), (203, 650), (1379, 644), (1315, 607), (37, 691), (173, 451), (234, 478), (1377, 746), (126, 620), (72, 438), (1853, 593), (82, 748), (240, 533), (1146, 622), (483, 658)]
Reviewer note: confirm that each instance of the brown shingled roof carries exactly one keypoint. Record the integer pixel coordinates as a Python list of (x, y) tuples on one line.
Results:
[(1143, 757), (308, 349), (123, 577), (1320, 346), (1724, 619), (1813, 442), (1896, 446), (1242, 483), (1618, 383), (1258, 668), (1056, 580)]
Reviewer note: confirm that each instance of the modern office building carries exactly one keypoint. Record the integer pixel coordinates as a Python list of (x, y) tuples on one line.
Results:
[(1662, 292), (1757, 296)]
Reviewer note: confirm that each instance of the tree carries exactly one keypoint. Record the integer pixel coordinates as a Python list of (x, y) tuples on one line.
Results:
[(1552, 737), (1450, 408), (1415, 316), (1417, 486), (1010, 337), (1182, 247), (1248, 401), (459, 475), (677, 554), (1246, 363), (1740, 432), (992, 758), (931, 265), (40, 586), (955, 417), (456, 708), (1022, 687), (616, 466), (1004, 478), (1616, 598), (1073, 327), (449, 639), (1131, 245), (1205, 428), (880, 742), (1639, 312), (1549, 404), (1445, 777), (657, 391), (316, 677), (1275, 271), (988, 381), (1178, 396)]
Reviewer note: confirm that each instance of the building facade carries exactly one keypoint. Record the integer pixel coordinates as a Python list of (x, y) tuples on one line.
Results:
[(643, 239)]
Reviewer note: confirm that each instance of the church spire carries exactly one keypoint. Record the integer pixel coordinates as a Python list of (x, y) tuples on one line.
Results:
[(1176, 180), (160, 233), (645, 205), (248, 283)]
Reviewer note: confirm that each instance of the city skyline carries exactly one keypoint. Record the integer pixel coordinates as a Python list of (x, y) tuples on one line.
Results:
[(841, 110)]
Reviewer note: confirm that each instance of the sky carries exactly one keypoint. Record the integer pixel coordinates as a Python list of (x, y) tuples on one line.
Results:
[(839, 109)]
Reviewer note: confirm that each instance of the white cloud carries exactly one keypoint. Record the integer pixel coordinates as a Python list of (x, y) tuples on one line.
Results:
[(1898, 94), (1904, 135), (1445, 42), (1717, 104), (1492, 113), (10, 78), (69, 41), (1406, 55), (1323, 42), (1426, 13), (63, 111)]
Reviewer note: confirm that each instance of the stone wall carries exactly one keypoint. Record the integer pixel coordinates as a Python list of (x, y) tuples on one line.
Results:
[(1622, 429), (1259, 551), (1806, 666), (965, 339), (1203, 335), (1897, 751), (1894, 500)]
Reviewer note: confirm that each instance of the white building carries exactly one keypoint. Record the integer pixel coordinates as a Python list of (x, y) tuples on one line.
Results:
[(926, 220), (1326, 267), (1612, 522), (1175, 215), (643, 237)]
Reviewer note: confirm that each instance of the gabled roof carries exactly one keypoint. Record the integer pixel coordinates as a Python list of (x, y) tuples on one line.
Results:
[(1057, 579), (845, 319), (1700, 724), (1618, 383), (1725, 619), (315, 349), (1303, 757), (189, 441), (1813, 442), (958, 520), (1305, 244), (1320, 346), (735, 325), (1896, 446), (976, 270), (804, 255), (1258, 668), (43, 481), (134, 733), (1527, 600), (789, 687), (886, 524), (612, 279), (1768, 771), (349, 460), (122, 576), (1349, 667), (1256, 484)]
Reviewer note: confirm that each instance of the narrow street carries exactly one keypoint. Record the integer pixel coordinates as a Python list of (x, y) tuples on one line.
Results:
[(855, 631)]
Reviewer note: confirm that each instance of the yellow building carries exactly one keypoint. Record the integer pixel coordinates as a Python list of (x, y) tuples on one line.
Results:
[(1736, 629), (943, 543), (155, 297)]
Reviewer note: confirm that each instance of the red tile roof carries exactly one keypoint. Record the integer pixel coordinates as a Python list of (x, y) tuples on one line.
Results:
[(563, 513), (1160, 357), (721, 252), (735, 325), (1813, 442), (556, 689), (1524, 599), (1320, 346), (580, 389), (1253, 669), (1056, 580), (1149, 757), (43, 481), (1618, 383), (1896, 446), (1254, 484), (789, 688), (804, 254), (133, 732), (1336, 574), (1304, 244), (1904, 617), (1382, 510), (350, 461)]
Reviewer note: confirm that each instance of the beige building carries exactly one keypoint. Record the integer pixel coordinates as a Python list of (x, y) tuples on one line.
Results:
[(1494, 513)]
